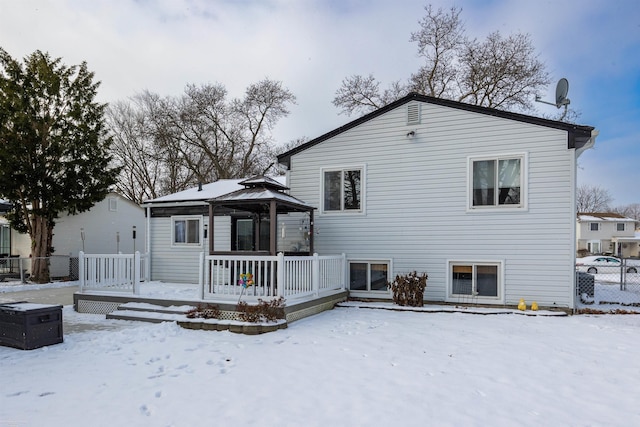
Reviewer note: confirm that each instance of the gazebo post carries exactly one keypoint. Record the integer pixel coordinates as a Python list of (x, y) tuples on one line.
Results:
[(210, 231), (311, 233), (273, 228)]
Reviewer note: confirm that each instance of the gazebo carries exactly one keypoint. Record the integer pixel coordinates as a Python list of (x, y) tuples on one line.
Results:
[(262, 198)]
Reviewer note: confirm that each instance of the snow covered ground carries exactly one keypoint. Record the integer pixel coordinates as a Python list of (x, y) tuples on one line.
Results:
[(352, 366)]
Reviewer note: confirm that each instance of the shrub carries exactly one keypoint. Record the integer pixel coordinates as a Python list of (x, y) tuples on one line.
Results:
[(204, 312), (409, 289), (263, 311)]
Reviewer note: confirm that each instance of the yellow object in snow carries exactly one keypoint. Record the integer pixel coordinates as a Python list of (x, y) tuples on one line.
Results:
[(522, 305), (534, 306)]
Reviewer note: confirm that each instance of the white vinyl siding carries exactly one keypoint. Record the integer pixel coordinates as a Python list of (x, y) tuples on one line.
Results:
[(417, 200), (181, 264)]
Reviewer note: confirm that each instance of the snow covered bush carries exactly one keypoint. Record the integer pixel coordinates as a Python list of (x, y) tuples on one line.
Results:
[(409, 289), (263, 311)]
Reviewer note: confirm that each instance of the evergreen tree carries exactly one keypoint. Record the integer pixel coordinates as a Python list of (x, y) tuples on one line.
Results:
[(54, 153)]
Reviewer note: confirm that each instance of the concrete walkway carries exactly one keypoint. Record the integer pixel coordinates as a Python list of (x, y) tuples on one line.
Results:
[(61, 296)]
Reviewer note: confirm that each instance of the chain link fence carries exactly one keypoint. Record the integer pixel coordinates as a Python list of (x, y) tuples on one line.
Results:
[(16, 269), (611, 287)]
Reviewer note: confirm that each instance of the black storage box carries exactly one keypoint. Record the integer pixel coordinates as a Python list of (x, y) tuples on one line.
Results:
[(26, 325)]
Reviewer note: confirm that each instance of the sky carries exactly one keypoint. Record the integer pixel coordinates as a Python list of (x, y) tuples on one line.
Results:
[(352, 366), (312, 45)]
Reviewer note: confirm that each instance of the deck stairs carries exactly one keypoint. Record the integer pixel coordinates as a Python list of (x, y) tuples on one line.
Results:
[(145, 312)]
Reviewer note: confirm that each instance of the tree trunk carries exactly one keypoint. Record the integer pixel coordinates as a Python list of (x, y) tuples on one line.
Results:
[(40, 249)]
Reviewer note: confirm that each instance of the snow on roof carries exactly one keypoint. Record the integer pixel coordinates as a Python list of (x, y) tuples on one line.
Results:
[(208, 191), (259, 194), (603, 217)]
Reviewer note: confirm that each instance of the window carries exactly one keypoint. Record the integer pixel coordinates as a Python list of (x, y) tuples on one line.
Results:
[(186, 231), (593, 246), (113, 204), (594, 226), (342, 190), (243, 230), (620, 226), (497, 182), (5, 240), (480, 280), (368, 276)]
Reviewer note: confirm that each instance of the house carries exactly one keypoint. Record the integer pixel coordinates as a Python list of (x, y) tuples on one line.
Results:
[(107, 228), (606, 233), (481, 200), (115, 224)]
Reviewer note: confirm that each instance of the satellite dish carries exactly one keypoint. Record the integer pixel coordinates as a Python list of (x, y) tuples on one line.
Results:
[(562, 88)]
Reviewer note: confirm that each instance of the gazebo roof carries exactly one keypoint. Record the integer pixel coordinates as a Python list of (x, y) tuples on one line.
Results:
[(259, 191)]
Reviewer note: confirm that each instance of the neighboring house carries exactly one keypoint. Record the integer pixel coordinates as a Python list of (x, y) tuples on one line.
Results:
[(606, 233), (481, 200), (106, 228)]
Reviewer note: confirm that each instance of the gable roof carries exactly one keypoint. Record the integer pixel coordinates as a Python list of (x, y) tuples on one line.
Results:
[(578, 135)]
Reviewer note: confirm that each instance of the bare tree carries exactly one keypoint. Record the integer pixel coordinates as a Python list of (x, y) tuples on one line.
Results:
[(593, 198), (498, 72), (168, 144), (630, 211)]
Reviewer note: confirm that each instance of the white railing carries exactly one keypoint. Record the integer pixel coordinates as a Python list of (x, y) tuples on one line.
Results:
[(112, 272), (272, 276)]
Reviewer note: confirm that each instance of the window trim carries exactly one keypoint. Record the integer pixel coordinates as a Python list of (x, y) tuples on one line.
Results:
[(524, 187), (498, 299), (369, 261), (176, 218), (620, 224), (591, 224), (363, 186)]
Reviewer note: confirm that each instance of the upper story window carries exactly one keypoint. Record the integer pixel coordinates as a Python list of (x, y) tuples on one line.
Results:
[(620, 226), (342, 190), (497, 181), (186, 231), (594, 226)]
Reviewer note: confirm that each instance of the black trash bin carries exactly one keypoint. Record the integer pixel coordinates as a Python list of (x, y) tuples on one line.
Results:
[(27, 326), (585, 282)]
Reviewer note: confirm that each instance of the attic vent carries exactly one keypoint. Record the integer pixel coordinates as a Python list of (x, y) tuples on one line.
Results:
[(413, 114)]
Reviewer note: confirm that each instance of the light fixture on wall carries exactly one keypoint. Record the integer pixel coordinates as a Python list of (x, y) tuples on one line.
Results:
[(411, 134)]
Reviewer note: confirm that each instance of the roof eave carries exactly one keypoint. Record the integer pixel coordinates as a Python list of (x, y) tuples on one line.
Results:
[(579, 136)]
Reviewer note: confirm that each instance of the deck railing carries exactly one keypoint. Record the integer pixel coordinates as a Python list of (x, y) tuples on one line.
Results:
[(112, 272), (271, 276)]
